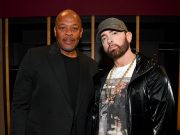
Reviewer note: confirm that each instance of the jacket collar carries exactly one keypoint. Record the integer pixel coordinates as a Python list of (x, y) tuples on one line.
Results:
[(143, 65)]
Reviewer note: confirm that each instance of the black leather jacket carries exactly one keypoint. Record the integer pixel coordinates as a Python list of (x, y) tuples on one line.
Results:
[(149, 99)]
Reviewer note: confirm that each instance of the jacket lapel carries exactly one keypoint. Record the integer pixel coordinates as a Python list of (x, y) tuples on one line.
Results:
[(81, 86), (58, 67)]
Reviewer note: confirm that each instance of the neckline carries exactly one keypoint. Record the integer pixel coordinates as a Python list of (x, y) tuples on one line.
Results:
[(108, 90)]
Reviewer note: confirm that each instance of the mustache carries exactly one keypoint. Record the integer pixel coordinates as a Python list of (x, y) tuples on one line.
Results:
[(65, 38), (114, 45), (68, 38)]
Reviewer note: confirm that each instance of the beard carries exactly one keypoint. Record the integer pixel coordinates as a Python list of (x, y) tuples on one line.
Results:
[(119, 51)]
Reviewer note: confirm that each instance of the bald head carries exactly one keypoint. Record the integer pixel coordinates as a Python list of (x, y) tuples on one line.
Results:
[(68, 31), (68, 13)]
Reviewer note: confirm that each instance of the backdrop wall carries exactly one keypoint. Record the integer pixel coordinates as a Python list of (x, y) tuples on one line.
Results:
[(21, 8)]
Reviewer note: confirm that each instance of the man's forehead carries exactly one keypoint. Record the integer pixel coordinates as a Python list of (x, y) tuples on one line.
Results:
[(107, 31), (68, 19)]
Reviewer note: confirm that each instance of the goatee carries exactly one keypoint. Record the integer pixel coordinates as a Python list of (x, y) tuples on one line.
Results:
[(119, 51)]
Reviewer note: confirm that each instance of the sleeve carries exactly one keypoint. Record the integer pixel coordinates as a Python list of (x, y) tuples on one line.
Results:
[(22, 93), (162, 105)]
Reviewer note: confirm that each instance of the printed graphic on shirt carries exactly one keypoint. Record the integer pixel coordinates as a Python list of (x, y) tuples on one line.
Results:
[(112, 110)]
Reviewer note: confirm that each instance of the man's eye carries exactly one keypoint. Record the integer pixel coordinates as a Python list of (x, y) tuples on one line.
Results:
[(103, 39), (74, 29), (61, 28), (114, 32)]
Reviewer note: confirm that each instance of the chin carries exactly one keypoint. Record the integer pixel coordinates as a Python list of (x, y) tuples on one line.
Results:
[(69, 49)]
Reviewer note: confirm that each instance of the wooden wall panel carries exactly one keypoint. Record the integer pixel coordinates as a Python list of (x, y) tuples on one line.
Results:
[(7, 73), (48, 30), (137, 33), (92, 36)]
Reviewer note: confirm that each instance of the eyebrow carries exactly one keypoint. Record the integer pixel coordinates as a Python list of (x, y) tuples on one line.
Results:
[(102, 35), (110, 31), (62, 24)]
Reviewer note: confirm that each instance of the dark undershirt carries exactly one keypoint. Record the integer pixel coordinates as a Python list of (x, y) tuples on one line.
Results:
[(72, 70)]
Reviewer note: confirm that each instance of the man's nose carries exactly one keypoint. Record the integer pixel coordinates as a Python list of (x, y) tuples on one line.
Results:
[(68, 31), (110, 41)]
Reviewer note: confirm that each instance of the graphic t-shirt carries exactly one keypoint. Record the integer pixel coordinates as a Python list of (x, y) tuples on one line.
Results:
[(112, 113)]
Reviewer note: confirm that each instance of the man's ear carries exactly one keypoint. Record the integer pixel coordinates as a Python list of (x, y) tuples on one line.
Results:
[(54, 31), (129, 36), (81, 33)]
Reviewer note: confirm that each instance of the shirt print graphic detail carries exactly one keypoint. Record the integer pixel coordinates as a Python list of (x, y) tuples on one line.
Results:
[(112, 114)]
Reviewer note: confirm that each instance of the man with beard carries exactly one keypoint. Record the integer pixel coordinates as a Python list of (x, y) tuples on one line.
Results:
[(135, 92), (53, 91)]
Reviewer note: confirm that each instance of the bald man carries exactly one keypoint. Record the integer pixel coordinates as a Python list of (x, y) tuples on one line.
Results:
[(53, 91)]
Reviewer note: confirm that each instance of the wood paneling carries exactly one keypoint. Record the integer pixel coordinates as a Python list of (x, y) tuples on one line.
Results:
[(137, 32), (7, 73), (92, 36), (48, 30)]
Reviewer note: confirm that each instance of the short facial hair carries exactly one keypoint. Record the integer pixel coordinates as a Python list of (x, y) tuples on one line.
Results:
[(119, 51)]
